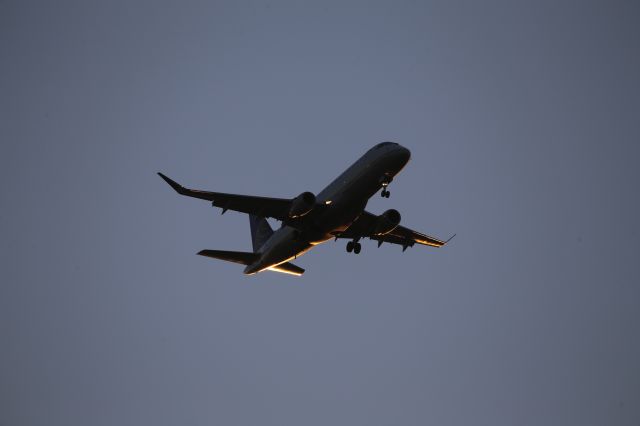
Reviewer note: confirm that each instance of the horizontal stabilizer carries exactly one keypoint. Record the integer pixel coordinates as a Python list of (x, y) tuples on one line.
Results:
[(288, 268), (247, 258), (241, 257)]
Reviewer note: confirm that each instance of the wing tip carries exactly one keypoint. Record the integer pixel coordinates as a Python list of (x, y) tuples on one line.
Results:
[(175, 185)]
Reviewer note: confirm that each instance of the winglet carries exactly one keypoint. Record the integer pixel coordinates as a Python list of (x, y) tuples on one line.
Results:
[(175, 185), (450, 238)]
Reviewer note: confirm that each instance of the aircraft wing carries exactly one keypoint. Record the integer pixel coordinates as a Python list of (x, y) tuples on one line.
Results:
[(276, 208), (365, 226)]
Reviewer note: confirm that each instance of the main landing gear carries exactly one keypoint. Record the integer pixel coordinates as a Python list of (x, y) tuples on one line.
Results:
[(354, 246)]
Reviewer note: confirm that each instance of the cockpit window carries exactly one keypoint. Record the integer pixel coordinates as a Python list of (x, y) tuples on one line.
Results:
[(380, 145)]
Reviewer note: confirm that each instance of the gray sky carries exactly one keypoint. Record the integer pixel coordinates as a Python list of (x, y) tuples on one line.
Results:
[(523, 120)]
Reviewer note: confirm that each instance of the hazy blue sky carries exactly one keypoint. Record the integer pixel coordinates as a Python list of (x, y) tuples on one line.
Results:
[(523, 119)]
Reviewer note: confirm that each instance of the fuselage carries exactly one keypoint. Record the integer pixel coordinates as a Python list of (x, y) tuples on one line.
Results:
[(338, 205)]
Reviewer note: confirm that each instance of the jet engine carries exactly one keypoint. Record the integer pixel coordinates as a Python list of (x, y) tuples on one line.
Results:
[(302, 204), (387, 222)]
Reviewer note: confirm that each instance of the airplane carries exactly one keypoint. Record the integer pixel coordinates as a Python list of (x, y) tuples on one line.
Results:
[(338, 211)]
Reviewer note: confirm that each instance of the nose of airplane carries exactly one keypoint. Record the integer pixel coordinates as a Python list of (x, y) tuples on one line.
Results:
[(403, 154)]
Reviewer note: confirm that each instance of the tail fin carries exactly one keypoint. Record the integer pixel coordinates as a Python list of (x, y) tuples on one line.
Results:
[(260, 231)]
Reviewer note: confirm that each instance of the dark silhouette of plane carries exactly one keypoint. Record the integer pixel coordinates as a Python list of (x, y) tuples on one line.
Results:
[(338, 211)]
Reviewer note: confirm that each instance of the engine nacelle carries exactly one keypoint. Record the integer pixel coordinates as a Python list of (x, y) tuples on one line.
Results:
[(387, 222), (302, 204)]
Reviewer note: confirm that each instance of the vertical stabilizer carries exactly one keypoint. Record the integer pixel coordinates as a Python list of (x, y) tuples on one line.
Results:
[(260, 231)]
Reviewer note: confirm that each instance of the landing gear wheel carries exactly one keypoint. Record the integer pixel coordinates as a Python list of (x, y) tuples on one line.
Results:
[(385, 193), (350, 247), (356, 248)]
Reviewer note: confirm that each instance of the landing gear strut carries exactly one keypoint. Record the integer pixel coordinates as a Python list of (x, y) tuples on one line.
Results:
[(354, 246)]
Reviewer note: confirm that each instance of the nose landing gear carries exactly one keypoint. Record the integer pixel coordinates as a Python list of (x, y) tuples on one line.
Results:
[(385, 181)]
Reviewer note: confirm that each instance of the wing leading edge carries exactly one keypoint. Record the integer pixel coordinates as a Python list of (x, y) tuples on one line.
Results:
[(276, 208)]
